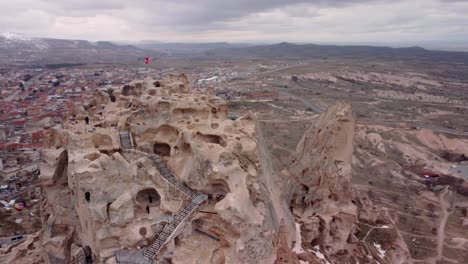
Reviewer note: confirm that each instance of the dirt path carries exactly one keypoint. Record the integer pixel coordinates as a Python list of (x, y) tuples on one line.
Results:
[(414, 124), (444, 205), (304, 101)]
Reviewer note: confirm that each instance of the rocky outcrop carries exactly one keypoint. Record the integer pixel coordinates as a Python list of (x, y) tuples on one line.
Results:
[(118, 199), (333, 217), (156, 170), (28, 251), (121, 211)]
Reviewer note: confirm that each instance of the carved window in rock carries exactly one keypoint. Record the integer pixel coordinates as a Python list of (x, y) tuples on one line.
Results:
[(162, 149)]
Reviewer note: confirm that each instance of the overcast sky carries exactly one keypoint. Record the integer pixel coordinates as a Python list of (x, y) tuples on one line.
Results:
[(239, 20)]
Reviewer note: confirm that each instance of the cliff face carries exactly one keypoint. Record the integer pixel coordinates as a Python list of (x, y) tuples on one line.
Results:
[(101, 199), (334, 220)]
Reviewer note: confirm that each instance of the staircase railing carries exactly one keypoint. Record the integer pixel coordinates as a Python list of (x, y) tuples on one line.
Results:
[(171, 229)]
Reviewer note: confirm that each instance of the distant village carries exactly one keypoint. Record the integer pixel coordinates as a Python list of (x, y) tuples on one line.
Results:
[(34, 99)]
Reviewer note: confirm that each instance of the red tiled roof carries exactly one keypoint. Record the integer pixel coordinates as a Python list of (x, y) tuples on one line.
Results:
[(20, 146), (37, 135), (19, 122), (36, 118), (34, 145)]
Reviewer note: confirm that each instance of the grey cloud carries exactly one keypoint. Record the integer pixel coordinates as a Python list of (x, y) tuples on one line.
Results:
[(179, 11), (212, 20)]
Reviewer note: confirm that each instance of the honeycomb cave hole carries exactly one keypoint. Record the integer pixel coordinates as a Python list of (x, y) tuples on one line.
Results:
[(217, 190), (162, 149), (89, 254), (142, 231), (214, 139), (87, 196), (126, 90), (177, 241), (148, 197), (157, 84)]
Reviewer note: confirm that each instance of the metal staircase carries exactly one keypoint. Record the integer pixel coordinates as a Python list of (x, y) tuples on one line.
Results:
[(170, 178), (126, 140), (171, 229)]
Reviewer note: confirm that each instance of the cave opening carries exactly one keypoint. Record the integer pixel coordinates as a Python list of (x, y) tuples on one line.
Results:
[(87, 120), (126, 90), (87, 196), (162, 149), (89, 254), (214, 139), (217, 190), (148, 196), (157, 84), (142, 231)]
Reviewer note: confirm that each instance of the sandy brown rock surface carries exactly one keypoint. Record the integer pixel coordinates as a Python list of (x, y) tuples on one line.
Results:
[(107, 194)]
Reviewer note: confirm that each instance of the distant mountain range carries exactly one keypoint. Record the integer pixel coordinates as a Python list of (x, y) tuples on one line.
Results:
[(286, 50), (16, 41), (187, 48), (17, 49), (21, 50)]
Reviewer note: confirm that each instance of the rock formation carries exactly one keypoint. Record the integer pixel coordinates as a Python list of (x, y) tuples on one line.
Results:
[(156, 172), (335, 220), (104, 195), (27, 251)]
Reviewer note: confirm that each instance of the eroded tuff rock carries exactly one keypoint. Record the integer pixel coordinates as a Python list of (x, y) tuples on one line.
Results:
[(105, 196), (29, 251), (100, 199), (334, 219)]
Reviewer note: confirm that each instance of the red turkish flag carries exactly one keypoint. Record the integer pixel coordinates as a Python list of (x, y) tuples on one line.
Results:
[(147, 59)]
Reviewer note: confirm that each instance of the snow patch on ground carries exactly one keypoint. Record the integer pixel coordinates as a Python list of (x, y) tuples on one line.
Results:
[(14, 36), (13, 40), (298, 245), (380, 250), (320, 255)]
